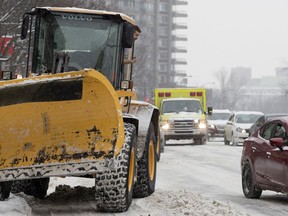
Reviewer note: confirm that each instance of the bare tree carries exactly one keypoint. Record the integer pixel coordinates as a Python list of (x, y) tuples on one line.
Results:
[(228, 94), (221, 99)]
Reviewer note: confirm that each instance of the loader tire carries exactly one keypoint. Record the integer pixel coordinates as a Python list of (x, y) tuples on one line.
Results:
[(114, 188), (146, 167), (5, 188), (33, 187)]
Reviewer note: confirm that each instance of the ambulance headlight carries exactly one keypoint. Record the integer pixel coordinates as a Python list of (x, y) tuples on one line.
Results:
[(165, 126), (202, 125)]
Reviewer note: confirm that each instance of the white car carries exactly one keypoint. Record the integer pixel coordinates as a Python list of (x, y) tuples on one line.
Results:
[(238, 125)]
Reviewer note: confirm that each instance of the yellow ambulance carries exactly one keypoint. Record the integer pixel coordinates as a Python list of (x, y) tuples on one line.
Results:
[(183, 114)]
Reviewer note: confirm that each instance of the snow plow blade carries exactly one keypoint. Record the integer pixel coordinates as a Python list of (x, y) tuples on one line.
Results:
[(50, 122)]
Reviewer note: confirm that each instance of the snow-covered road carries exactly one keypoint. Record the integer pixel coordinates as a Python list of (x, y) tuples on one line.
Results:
[(191, 180), (213, 170)]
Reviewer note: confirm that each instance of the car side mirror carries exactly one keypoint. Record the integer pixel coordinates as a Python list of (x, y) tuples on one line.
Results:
[(277, 142)]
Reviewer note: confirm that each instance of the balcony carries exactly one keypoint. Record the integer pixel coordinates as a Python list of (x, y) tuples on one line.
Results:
[(179, 37), (179, 26), (179, 49), (161, 23), (163, 60), (164, 48), (180, 73), (179, 14), (179, 61), (163, 36), (179, 2)]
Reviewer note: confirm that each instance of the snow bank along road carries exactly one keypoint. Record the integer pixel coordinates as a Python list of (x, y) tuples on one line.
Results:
[(191, 180)]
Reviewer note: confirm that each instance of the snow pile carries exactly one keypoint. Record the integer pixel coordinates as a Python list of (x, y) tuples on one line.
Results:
[(184, 202), (81, 201), (14, 206)]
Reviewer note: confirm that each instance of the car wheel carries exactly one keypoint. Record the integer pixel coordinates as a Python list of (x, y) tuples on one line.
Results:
[(200, 140), (248, 183), (164, 141), (209, 137), (226, 142), (233, 140)]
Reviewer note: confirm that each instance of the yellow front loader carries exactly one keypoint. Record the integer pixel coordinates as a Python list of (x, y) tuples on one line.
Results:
[(72, 115)]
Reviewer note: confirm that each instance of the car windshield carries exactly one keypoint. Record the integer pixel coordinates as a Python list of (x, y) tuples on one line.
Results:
[(247, 118), (219, 116), (182, 106)]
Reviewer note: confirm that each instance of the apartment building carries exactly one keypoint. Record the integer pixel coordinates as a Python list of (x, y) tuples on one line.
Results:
[(159, 45)]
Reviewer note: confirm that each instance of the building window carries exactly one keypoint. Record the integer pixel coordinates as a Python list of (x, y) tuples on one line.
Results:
[(121, 4), (150, 18), (164, 7), (129, 4), (137, 5), (132, 4), (163, 43), (163, 55), (164, 19), (149, 66), (162, 67), (148, 6), (163, 31)]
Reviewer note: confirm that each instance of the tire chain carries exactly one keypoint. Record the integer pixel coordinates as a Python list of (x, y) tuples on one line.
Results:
[(110, 186)]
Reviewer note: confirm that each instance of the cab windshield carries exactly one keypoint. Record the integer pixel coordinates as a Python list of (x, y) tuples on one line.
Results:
[(181, 106), (71, 42)]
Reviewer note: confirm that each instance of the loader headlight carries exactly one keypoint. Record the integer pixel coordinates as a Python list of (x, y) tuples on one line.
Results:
[(126, 84)]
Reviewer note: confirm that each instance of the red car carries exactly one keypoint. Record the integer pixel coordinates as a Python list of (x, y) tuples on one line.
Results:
[(264, 161)]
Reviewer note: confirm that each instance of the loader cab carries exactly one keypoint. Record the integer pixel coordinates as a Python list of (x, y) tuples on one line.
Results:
[(71, 39)]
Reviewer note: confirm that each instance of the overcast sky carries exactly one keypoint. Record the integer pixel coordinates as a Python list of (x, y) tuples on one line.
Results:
[(232, 33)]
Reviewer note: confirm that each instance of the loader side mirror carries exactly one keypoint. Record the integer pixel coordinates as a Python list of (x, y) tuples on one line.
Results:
[(127, 37), (210, 110), (25, 26)]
